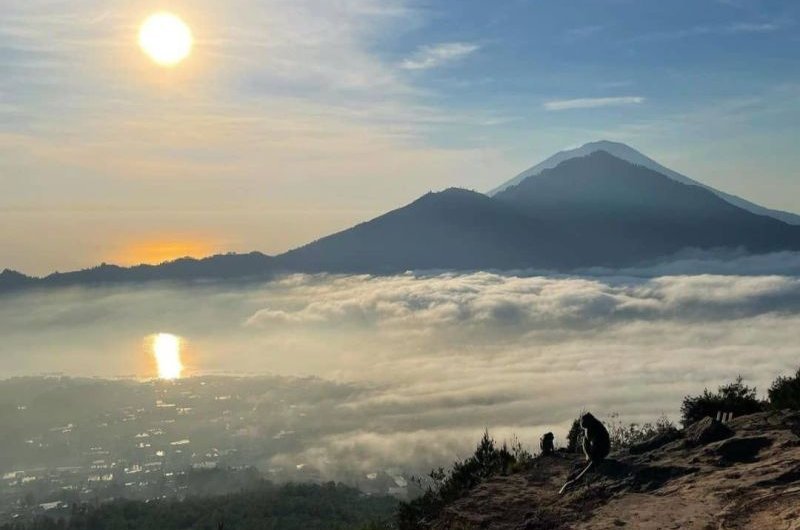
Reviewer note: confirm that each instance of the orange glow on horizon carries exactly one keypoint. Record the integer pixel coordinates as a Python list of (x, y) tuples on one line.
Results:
[(153, 252)]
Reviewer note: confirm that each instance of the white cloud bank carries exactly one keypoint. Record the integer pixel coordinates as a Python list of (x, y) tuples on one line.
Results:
[(432, 360)]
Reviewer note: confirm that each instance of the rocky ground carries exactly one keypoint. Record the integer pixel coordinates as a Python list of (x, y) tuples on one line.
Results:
[(745, 474)]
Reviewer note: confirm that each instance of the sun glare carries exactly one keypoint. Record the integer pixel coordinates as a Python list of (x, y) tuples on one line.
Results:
[(167, 351), (165, 38)]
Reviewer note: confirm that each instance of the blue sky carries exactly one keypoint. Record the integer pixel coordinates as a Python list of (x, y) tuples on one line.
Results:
[(647, 71), (292, 119)]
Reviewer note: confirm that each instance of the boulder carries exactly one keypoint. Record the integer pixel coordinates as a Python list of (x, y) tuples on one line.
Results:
[(742, 449), (706, 431), (655, 442)]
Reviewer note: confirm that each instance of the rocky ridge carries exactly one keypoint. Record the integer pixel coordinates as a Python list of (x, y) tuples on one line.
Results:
[(739, 475)]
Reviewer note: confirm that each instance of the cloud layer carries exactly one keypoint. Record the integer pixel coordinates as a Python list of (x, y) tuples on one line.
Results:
[(431, 360)]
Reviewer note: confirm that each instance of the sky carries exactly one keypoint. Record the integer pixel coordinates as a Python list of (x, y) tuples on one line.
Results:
[(294, 119)]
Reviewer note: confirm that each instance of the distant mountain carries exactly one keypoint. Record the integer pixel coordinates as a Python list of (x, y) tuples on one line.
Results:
[(630, 154), (596, 210), (628, 213), (223, 266), (453, 229), (593, 210)]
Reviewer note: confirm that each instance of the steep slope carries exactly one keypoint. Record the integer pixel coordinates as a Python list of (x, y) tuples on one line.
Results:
[(452, 229), (749, 479), (633, 156), (628, 212)]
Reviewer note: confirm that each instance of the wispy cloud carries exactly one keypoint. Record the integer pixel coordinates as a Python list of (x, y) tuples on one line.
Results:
[(583, 32), (592, 103), (432, 56), (732, 28), (748, 27)]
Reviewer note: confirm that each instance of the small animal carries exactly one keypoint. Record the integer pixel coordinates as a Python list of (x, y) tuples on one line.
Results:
[(596, 445), (546, 444)]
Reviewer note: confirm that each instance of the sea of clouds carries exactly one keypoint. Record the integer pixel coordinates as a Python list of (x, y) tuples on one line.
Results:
[(433, 359)]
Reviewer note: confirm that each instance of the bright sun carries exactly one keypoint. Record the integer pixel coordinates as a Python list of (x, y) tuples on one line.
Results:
[(165, 38), (167, 351)]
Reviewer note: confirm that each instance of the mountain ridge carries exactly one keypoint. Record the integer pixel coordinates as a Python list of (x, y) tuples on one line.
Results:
[(455, 221), (596, 210), (587, 211), (221, 266)]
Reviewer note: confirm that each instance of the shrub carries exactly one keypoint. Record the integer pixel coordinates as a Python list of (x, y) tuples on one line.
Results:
[(575, 437), (735, 397), (444, 487), (521, 456), (624, 436), (785, 392)]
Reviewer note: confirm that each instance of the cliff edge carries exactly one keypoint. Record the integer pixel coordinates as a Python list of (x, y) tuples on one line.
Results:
[(738, 475)]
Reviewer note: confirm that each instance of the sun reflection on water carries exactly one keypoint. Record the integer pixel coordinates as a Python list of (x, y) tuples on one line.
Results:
[(167, 352)]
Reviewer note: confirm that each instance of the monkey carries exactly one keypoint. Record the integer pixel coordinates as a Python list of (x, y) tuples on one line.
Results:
[(546, 444), (596, 445)]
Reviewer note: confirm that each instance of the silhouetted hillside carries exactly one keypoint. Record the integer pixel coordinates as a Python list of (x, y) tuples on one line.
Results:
[(224, 266), (596, 210), (453, 229), (14, 280)]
